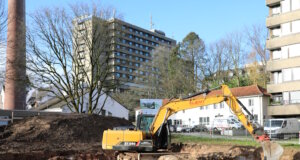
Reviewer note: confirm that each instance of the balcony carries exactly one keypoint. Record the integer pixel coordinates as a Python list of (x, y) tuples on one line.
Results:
[(274, 65), (284, 110), (272, 2), (277, 42), (278, 19), (283, 87)]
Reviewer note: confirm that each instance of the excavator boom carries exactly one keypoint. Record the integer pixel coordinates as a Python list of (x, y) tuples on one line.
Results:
[(156, 138)]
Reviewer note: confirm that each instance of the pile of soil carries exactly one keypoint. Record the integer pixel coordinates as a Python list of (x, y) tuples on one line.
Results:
[(57, 136), (228, 152)]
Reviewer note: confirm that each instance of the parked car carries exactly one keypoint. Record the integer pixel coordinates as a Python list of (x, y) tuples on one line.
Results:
[(199, 128), (225, 123), (183, 128), (282, 128)]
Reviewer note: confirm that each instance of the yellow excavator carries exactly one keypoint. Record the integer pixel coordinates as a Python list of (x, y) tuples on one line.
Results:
[(150, 137)]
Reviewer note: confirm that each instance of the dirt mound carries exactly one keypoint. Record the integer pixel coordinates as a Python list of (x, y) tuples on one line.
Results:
[(228, 152), (203, 152), (43, 137)]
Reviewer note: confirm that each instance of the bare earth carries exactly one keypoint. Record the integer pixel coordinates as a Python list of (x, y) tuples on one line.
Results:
[(79, 137)]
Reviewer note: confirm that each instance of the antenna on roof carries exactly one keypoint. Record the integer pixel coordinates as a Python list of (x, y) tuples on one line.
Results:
[(151, 23)]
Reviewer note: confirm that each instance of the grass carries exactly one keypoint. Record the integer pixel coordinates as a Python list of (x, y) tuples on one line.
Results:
[(223, 141), (212, 141)]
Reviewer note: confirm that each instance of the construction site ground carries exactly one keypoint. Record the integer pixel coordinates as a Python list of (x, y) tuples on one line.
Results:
[(79, 137)]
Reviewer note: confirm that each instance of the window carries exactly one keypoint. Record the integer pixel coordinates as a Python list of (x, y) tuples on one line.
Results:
[(295, 97), (118, 67), (276, 54), (130, 29), (201, 108), (251, 102), (276, 32), (118, 75), (296, 74), (222, 105), (123, 68), (277, 77), (130, 77), (118, 46), (287, 75), (130, 70), (295, 4), (130, 63), (286, 28), (285, 6), (124, 75), (294, 50), (215, 106), (103, 112), (296, 26), (130, 43), (118, 60), (276, 10), (204, 120)]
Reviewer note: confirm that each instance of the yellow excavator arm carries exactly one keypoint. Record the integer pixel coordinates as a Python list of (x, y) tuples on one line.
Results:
[(157, 137), (200, 101)]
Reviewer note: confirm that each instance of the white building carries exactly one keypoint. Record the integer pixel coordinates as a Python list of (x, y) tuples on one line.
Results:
[(254, 98), (110, 107)]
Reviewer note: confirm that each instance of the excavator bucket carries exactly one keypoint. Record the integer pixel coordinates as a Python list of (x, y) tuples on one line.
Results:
[(272, 150)]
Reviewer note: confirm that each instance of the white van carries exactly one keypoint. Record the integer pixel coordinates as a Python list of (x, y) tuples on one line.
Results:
[(225, 123), (282, 128)]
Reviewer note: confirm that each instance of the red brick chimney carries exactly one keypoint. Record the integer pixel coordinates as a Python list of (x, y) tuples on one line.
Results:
[(15, 76)]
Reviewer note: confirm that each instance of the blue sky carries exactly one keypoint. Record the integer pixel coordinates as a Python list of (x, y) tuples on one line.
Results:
[(210, 19)]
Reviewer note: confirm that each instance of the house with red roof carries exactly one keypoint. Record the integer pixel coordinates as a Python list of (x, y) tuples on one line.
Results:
[(254, 98)]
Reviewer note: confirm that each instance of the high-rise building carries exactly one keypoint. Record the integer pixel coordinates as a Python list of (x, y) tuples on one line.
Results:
[(131, 47), (283, 43)]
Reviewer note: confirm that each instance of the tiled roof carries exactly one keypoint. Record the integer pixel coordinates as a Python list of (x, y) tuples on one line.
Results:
[(243, 91)]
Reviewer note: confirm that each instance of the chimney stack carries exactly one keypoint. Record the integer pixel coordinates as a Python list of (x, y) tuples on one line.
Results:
[(15, 76)]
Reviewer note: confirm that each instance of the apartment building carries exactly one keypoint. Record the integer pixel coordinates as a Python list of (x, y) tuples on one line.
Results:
[(283, 43), (130, 48)]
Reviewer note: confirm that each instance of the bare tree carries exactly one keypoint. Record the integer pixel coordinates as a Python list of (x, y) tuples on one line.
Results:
[(3, 20), (69, 53), (3, 27), (258, 55)]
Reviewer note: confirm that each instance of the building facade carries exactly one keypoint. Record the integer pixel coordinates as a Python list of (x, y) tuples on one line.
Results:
[(107, 106), (254, 98), (130, 48), (283, 43)]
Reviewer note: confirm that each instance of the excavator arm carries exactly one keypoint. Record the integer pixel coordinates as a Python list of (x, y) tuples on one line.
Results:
[(200, 101), (137, 140)]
